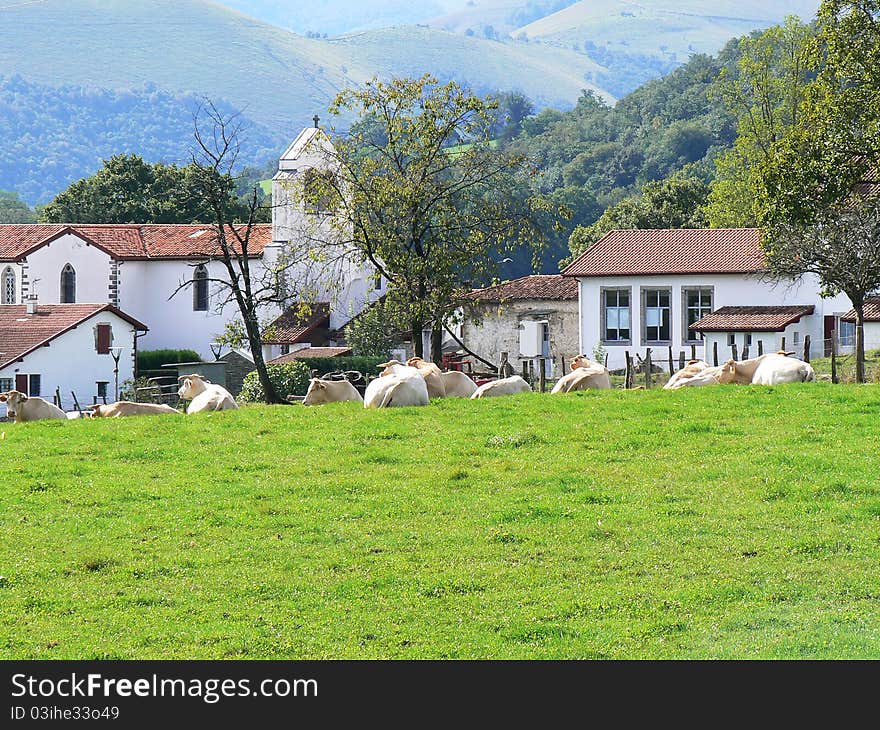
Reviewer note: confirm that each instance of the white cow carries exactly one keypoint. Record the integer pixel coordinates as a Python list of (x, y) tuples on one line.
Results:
[(771, 369), (707, 376), (458, 385), (585, 375), (25, 408), (204, 395), (123, 408), (694, 367), (398, 385), (504, 386), (432, 374), (330, 391)]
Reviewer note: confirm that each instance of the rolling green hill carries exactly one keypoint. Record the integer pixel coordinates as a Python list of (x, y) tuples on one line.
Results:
[(276, 77)]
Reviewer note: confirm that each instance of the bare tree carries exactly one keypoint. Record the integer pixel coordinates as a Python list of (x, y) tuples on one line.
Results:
[(842, 248), (250, 281)]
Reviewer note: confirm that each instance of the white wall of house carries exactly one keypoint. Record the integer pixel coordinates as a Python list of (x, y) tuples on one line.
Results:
[(726, 289), (91, 264), (144, 291), (71, 362)]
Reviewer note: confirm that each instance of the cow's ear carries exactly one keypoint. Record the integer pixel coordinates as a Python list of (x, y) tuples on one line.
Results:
[(321, 385), (3, 397)]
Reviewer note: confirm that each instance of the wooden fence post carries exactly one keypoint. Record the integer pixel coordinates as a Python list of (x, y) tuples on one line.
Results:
[(606, 360), (834, 376), (783, 344), (693, 352), (745, 352), (806, 348), (681, 360), (760, 347), (648, 368), (628, 377), (75, 401), (502, 365), (715, 353), (531, 372), (58, 397), (525, 374), (562, 363), (734, 351), (542, 376), (671, 365)]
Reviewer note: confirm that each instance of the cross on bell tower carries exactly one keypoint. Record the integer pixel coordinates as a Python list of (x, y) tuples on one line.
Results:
[(316, 119)]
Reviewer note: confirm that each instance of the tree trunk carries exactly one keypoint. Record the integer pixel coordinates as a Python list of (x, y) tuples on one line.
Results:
[(437, 343), (270, 395), (418, 341), (860, 340)]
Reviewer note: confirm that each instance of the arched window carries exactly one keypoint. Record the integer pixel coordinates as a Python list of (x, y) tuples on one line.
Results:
[(8, 286), (200, 289), (68, 285)]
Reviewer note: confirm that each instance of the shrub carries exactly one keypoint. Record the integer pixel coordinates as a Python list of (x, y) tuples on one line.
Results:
[(290, 378)]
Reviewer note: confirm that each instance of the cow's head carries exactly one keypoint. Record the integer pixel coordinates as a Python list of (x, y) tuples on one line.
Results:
[(96, 411), (415, 362), (13, 400), (316, 394), (728, 372), (192, 385), (581, 361)]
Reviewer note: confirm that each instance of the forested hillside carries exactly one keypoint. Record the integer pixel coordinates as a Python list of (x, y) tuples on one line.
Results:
[(595, 155), (53, 136)]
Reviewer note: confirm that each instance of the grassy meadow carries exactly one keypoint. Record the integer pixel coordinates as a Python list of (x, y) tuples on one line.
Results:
[(737, 522)]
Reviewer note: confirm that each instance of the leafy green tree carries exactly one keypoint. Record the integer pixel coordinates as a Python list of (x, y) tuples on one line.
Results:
[(372, 332), (765, 90), (672, 203), (428, 213), (128, 190), (15, 210)]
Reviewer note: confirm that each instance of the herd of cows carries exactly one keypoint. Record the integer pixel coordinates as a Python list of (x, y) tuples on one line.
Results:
[(415, 382)]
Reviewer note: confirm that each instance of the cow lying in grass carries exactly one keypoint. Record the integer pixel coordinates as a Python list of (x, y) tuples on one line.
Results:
[(687, 373), (505, 386), (585, 375), (123, 408), (398, 385), (330, 391), (771, 369), (432, 374), (30, 408), (204, 395)]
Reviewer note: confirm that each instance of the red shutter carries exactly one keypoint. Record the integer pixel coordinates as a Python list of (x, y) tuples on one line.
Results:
[(103, 339)]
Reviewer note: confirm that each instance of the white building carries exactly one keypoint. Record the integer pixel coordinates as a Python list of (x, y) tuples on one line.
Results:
[(67, 348), (641, 289)]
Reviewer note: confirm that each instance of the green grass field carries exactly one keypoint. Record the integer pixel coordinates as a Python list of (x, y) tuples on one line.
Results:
[(737, 522)]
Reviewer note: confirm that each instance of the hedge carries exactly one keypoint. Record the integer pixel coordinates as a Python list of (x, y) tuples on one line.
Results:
[(368, 365), (291, 378), (155, 359)]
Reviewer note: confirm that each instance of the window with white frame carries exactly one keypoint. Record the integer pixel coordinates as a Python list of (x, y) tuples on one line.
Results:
[(657, 320), (5, 385), (616, 315), (8, 285), (697, 304), (847, 333)]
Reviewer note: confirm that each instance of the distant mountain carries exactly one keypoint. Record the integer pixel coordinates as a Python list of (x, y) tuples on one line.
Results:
[(278, 78)]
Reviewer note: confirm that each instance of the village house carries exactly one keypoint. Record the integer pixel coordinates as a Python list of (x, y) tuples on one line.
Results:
[(872, 325), (684, 288), (528, 318), (169, 276), (67, 348)]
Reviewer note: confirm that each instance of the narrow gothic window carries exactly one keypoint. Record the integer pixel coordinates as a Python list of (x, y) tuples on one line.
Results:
[(68, 285), (8, 286), (200, 289)]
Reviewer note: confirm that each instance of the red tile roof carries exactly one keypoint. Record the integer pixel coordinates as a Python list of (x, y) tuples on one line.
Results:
[(297, 324), (872, 311), (751, 319), (537, 286), (21, 333), (150, 241), (672, 251), (309, 352)]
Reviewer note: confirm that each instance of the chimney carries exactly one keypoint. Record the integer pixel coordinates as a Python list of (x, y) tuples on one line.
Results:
[(31, 304)]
